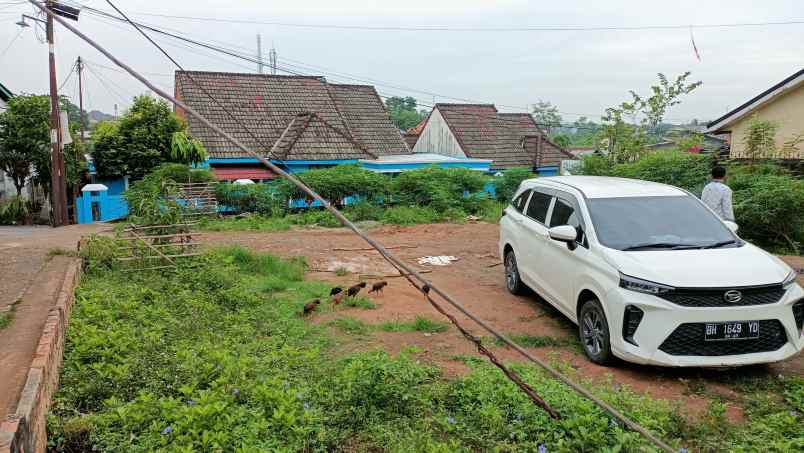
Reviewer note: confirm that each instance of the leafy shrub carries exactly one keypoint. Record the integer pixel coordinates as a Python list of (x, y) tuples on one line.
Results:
[(769, 209), (181, 173), (101, 252), (259, 198), (17, 210), (505, 186), (685, 170), (410, 215), (438, 188), (337, 183)]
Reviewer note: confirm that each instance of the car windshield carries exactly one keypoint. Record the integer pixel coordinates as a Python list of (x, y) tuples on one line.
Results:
[(657, 223)]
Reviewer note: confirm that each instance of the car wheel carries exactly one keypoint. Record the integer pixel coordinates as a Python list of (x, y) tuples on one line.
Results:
[(512, 280), (594, 332)]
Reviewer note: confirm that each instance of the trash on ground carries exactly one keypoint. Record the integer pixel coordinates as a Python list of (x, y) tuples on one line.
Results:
[(441, 260)]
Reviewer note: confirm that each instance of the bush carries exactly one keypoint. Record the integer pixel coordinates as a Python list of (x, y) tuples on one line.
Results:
[(17, 210), (685, 170), (768, 208), (438, 188), (337, 183), (258, 198), (505, 186)]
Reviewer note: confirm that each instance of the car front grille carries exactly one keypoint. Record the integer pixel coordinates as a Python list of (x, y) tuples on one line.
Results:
[(714, 297), (798, 313), (688, 339)]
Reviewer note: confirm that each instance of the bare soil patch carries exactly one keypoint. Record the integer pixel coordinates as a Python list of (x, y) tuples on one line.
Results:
[(476, 279)]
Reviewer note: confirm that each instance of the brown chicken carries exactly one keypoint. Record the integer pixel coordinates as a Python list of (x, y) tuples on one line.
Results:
[(309, 307), (377, 287), (338, 298), (353, 290)]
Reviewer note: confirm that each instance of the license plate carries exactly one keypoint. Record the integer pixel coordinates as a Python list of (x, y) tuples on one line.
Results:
[(741, 330)]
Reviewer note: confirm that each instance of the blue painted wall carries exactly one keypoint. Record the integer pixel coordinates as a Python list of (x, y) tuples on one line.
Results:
[(110, 203)]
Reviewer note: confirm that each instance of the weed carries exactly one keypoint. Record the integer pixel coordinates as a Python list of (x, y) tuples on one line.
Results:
[(536, 341), (342, 272), (359, 302), (420, 324), (58, 251), (350, 325), (6, 318)]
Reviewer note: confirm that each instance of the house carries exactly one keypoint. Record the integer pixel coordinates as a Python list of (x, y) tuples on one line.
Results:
[(301, 122), (411, 136), (479, 131), (783, 104)]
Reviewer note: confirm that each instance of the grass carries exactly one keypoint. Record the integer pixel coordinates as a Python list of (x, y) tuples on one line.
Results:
[(197, 360), (536, 341), (420, 324), (342, 272), (6, 318), (359, 302), (58, 251), (350, 325)]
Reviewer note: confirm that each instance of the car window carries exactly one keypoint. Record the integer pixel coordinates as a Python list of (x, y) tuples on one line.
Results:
[(660, 223), (538, 206), (565, 214), (519, 202)]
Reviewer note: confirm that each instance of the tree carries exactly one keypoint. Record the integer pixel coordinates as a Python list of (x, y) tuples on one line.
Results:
[(24, 137), (403, 112), (546, 116), (625, 141), (147, 135)]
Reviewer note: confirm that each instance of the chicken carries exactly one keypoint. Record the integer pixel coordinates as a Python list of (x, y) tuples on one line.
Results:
[(338, 298), (353, 290), (309, 307), (335, 290), (377, 287)]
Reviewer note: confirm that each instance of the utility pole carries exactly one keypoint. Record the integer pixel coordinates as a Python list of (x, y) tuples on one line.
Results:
[(58, 197), (272, 59), (259, 52), (79, 66)]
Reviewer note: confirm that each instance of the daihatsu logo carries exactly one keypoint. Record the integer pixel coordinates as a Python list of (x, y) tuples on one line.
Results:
[(733, 296)]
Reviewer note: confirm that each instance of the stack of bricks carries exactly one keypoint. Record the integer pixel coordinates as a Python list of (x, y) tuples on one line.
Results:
[(25, 430)]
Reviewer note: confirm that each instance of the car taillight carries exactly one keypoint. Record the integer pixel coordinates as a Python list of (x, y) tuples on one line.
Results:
[(633, 316)]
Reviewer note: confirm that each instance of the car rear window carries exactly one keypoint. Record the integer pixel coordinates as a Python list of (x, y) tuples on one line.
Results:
[(538, 206)]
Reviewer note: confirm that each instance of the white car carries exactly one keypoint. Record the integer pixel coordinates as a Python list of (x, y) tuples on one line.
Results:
[(649, 273)]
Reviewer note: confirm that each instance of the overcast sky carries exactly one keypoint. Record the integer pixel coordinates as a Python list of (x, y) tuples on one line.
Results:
[(581, 72)]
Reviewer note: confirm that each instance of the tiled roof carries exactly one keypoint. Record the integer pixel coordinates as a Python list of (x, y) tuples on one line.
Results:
[(337, 121), (505, 138)]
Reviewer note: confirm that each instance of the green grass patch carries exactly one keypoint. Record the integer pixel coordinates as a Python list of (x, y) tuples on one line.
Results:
[(420, 324), (350, 325), (198, 360), (536, 341), (359, 302), (5, 319), (58, 251), (342, 272)]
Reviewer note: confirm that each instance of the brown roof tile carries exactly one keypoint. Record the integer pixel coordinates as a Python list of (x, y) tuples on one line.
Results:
[(348, 121), (485, 133)]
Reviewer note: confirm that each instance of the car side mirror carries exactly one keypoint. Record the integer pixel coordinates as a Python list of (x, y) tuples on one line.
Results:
[(732, 226), (564, 233)]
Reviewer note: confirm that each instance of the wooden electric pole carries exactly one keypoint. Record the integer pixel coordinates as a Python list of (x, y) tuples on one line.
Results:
[(79, 66), (58, 191)]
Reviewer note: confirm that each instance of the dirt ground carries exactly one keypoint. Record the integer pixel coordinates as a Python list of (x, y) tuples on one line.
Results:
[(476, 279), (29, 280)]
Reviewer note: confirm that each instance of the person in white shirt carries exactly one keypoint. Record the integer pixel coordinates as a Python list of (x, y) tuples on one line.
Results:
[(717, 195)]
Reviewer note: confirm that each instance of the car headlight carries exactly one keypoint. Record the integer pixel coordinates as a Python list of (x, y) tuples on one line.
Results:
[(789, 280), (643, 286)]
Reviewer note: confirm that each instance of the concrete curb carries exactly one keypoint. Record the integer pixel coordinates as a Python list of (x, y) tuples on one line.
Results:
[(25, 431)]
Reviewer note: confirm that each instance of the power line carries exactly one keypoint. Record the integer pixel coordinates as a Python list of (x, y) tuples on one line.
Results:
[(444, 28), (3, 53)]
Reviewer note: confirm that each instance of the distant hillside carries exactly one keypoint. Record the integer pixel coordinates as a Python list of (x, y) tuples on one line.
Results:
[(97, 115)]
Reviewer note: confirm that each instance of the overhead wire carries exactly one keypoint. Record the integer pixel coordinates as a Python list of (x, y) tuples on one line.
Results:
[(404, 269), (443, 28), (11, 43)]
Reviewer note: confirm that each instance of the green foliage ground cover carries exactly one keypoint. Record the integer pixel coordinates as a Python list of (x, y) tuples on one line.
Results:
[(216, 357)]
